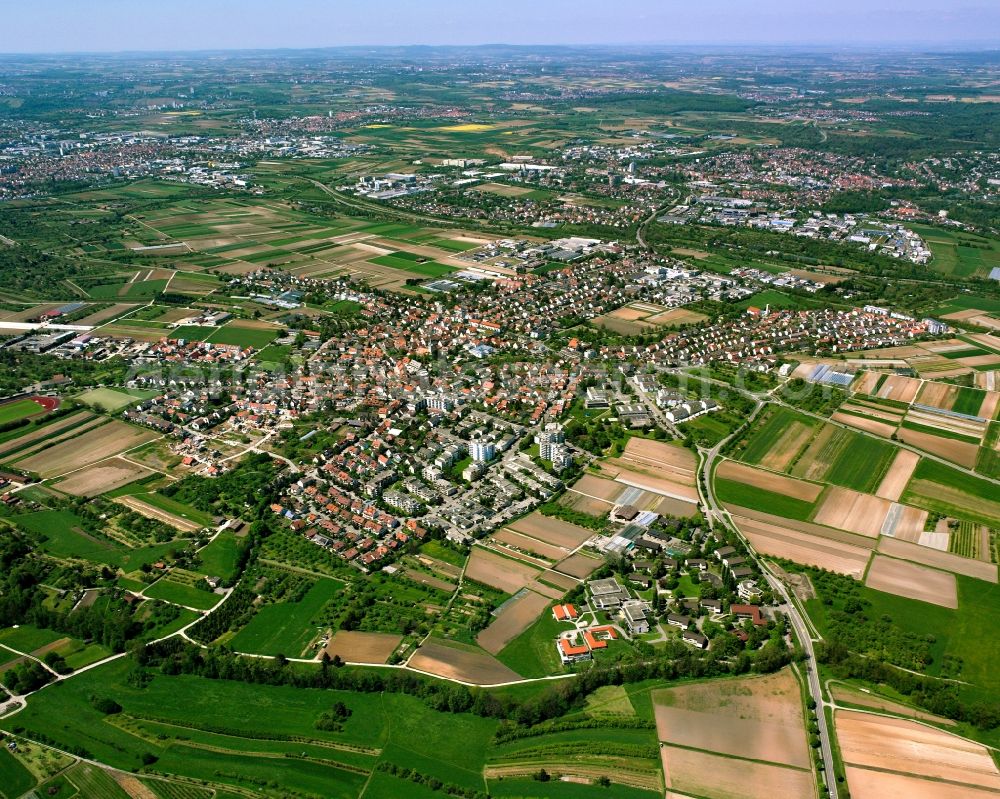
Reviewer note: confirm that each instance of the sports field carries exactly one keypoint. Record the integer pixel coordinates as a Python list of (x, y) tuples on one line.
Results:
[(19, 409)]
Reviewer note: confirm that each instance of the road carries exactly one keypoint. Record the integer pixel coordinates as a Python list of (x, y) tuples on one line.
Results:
[(386, 210), (719, 515), (639, 237)]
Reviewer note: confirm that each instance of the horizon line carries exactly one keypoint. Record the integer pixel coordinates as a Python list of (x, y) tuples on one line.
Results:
[(959, 46)]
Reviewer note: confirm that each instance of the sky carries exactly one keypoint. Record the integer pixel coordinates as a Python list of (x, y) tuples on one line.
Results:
[(130, 25)]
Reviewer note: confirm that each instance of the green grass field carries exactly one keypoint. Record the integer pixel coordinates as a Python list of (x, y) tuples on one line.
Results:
[(191, 332), (140, 289), (776, 300), (274, 354), (435, 549), (177, 508), (27, 638), (533, 652), (733, 493), (966, 302), (219, 557), (180, 593), (65, 538), (286, 627), (15, 779), (942, 489), (428, 268), (763, 437), (971, 633), (959, 253), (969, 401), (19, 409), (862, 464), (240, 336), (178, 720), (113, 399)]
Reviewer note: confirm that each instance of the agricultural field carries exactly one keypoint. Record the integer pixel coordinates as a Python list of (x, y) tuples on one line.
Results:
[(220, 556), (86, 449), (511, 620), (959, 253), (941, 489), (910, 580), (183, 588), (716, 735), (287, 628), (552, 531), (65, 535), (532, 653), (640, 317), (776, 439), (15, 779), (230, 733), (454, 661), (887, 756), (352, 646)]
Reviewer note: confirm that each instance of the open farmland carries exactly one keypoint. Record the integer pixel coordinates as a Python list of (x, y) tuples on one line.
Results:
[(360, 647), (849, 510), (844, 458), (531, 545), (690, 773), (21, 453), (742, 738), (865, 424), (659, 457), (777, 540), (551, 530), (497, 571), (964, 453), (938, 559), (887, 755), (941, 489), (758, 719), (454, 661), (44, 431), (734, 494), (90, 447), (100, 478), (513, 618), (597, 487), (899, 388), (899, 474), (910, 580), (769, 481), (776, 439), (287, 627), (580, 565)]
